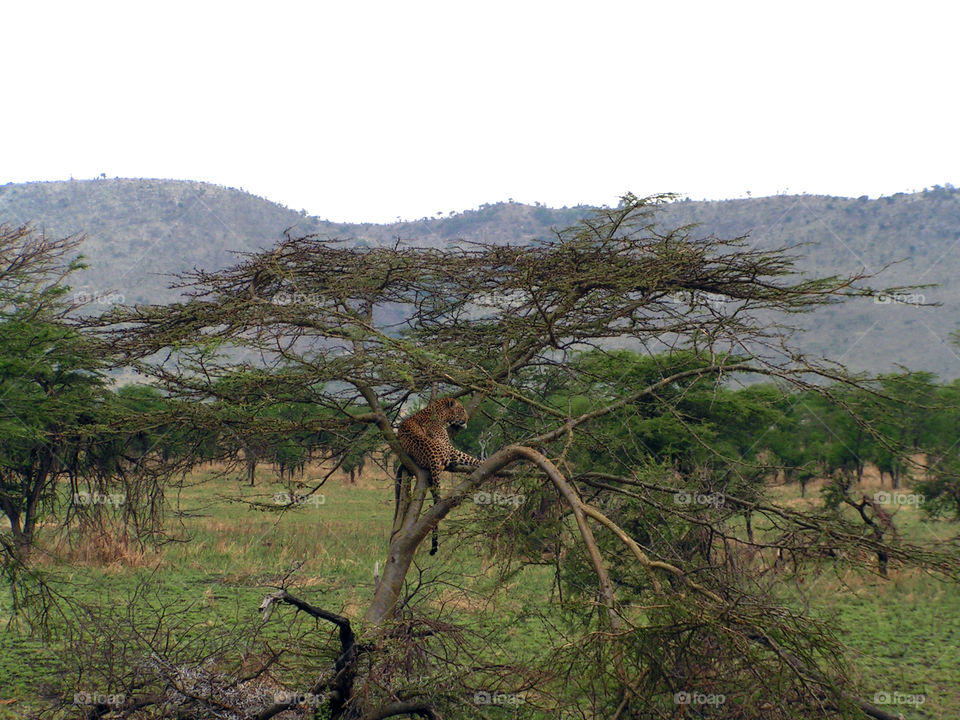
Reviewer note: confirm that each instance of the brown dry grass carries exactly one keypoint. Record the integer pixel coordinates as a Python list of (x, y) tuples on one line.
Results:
[(372, 475), (788, 495), (104, 550)]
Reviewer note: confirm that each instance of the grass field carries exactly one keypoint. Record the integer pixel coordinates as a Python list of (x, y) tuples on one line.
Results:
[(903, 633)]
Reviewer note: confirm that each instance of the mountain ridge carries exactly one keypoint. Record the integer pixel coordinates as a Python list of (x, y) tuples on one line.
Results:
[(139, 231)]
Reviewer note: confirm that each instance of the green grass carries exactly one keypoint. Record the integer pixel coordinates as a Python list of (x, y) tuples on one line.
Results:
[(905, 640), (903, 634), (237, 554)]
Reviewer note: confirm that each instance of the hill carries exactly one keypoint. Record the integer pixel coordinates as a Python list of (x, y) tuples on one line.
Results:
[(139, 231)]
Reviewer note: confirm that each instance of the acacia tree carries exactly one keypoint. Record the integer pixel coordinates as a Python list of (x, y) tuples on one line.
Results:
[(941, 487), (653, 601), (51, 382)]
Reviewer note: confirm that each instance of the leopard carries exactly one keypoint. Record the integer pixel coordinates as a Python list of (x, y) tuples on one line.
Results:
[(425, 437)]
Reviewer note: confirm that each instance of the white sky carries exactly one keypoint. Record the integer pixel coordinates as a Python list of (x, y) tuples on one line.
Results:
[(366, 111)]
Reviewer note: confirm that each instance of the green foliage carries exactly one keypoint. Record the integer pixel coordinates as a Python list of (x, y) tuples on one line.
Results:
[(941, 486), (51, 379)]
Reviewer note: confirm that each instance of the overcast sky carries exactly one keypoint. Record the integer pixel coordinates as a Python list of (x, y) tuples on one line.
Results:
[(368, 111)]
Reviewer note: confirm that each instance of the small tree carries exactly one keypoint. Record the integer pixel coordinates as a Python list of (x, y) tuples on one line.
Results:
[(51, 378), (941, 484)]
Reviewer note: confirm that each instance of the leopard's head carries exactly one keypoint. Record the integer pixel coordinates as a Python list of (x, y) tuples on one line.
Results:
[(453, 413)]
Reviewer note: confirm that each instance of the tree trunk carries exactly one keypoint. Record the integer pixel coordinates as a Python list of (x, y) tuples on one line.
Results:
[(403, 547), (22, 539)]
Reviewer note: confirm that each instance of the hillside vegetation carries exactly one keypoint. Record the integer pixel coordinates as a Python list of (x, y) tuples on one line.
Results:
[(139, 231)]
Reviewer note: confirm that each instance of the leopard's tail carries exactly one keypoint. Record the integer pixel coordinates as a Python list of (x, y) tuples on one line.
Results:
[(397, 488)]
